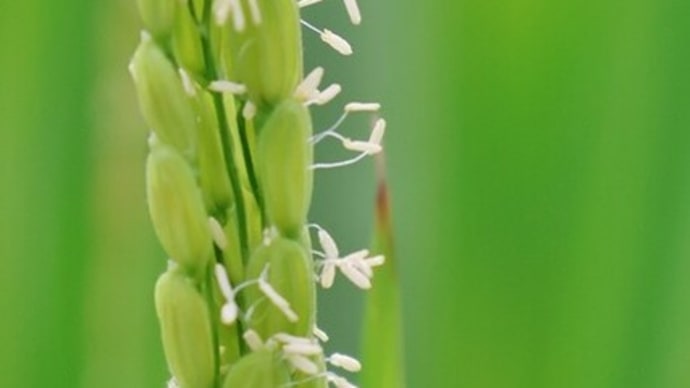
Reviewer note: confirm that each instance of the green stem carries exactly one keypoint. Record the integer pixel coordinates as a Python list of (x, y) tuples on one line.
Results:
[(214, 330), (226, 138)]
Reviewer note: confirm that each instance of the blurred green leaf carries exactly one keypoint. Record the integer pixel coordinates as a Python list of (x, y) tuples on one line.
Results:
[(382, 345)]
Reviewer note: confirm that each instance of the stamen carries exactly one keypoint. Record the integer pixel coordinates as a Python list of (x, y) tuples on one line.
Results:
[(362, 146), (378, 131), (306, 3), (338, 381), (318, 137), (348, 363), (375, 261), (330, 38), (362, 107), (328, 94), (187, 83), (304, 349), (362, 266), (320, 334), (275, 298), (355, 275), (303, 364), (218, 234), (337, 42), (356, 259), (339, 164), (308, 88), (328, 274), (291, 339), (328, 244), (229, 313), (353, 11), (224, 86), (318, 253), (253, 340), (249, 111), (224, 282)]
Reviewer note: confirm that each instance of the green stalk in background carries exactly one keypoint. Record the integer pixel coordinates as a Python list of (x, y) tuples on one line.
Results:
[(229, 180), (382, 347)]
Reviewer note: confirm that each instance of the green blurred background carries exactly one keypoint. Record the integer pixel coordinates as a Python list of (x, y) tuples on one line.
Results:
[(538, 154)]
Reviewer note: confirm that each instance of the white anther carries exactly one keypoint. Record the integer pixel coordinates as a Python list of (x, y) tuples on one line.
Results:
[(353, 11), (308, 88), (338, 381), (255, 11), (348, 363), (378, 131), (304, 349), (281, 303), (320, 334), (303, 364), (375, 261), (338, 43), (358, 278), (187, 83), (327, 274), (328, 94), (253, 340), (224, 282), (362, 146), (229, 312), (224, 86), (362, 266), (218, 233), (362, 107), (249, 111), (291, 339), (306, 3), (328, 244)]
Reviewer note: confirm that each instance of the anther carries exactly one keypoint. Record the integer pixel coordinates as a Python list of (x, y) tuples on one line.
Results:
[(276, 299), (218, 234), (187, 83), (353, 11), (343, 361), (337, 42), (306, 3), (224, 86), (308, 89)]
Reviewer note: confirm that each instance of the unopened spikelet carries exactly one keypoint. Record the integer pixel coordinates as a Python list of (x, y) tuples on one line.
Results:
[(260, 369), (158, 16), (176, 208), (284, 267), (213, 178), (185, 330), (164, 104), (266, 49), (187, 43), (283, 157)]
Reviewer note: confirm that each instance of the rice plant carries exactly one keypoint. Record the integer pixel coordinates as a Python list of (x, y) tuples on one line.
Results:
[(229, 181)]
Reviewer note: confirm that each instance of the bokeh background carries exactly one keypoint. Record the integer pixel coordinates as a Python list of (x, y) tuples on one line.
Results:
[(539, 161)]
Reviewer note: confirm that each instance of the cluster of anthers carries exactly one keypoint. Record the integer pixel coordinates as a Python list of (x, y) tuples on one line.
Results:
[(358, 266)]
